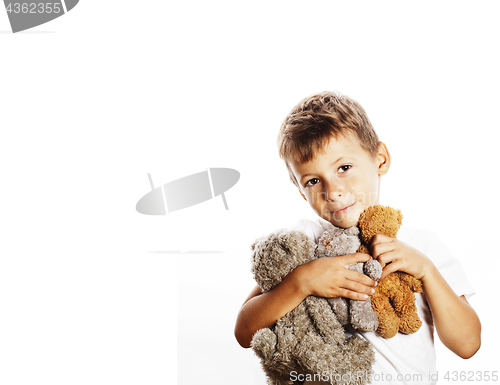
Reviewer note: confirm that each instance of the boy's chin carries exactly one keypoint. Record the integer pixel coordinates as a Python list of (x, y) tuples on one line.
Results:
[(343, 222)]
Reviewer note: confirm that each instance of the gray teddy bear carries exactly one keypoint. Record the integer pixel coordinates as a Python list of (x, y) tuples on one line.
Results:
[(339, 241), (309, 339)]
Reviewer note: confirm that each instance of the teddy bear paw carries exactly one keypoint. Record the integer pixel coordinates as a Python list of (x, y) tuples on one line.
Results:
[(264, 343), (410, 324), (373, 269), (362, 317)]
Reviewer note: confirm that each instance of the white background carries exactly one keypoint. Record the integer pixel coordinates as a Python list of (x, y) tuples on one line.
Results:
[(93, 101)]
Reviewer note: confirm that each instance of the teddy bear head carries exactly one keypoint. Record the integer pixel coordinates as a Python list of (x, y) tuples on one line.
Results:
[(338, 241), (379, 219), (274, 256)]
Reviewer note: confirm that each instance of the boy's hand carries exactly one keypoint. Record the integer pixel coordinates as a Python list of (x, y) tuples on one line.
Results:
[(394, 255), (330, 277)]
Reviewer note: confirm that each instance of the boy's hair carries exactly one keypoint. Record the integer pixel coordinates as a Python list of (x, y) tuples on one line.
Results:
[(317, 118)]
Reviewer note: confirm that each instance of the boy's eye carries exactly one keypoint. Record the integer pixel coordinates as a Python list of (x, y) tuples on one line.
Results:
[(311, 182), (344, 168)]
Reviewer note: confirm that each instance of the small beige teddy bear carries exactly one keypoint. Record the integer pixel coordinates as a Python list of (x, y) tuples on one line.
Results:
[(339, 241)]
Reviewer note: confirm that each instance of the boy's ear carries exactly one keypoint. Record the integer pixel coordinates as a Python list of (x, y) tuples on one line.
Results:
[(301, 193), (384, 159)]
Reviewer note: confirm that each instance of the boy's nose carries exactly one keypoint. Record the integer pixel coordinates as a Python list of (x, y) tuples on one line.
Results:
[(333, 192), (333, 196)]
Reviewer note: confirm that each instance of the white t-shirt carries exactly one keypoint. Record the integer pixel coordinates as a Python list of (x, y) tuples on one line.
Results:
[(407, 358)]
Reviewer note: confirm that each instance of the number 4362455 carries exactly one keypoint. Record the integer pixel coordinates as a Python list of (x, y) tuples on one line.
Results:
[(34, 8)]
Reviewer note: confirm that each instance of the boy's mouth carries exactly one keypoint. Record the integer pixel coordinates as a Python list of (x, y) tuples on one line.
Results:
[(341, 211)]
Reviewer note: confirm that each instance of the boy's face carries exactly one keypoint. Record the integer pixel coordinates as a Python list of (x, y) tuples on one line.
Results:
[(341, 182)]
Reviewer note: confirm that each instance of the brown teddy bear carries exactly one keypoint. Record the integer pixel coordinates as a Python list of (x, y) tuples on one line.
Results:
[(393, 301), (309, 339)]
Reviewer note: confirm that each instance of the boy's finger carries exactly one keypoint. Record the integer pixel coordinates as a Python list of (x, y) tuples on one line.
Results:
[(352, 259), (358, 291), (390, 268), (379, 238), (387, 258), (355, 295), (380, 248), (358, 281)]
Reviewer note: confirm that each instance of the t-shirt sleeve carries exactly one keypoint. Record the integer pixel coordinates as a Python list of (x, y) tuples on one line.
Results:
[(449, 266)]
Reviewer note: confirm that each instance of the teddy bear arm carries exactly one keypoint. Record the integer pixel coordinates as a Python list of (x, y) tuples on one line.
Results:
[(324, 348), (337, 362), (276, 347), (264, 344), (405, 307), (407, 311), (362, 316), (373, 269), (357, 267), (340, 308), (324, 319), (381, 303), (413, 283)]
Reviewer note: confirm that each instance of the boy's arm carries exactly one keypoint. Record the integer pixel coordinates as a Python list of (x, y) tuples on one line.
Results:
[(324, 277), (262, 310), (457, 324)]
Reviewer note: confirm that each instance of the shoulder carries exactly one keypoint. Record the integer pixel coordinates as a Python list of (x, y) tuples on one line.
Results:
[(420, 238), (426, 241), (429, 243), (312, 228)]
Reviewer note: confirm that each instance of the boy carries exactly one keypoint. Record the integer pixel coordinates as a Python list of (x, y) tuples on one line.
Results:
[(335, 159)]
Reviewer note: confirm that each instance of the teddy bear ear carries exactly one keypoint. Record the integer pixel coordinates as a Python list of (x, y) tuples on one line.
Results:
[(365, 215), (400, 217), (396, 215), (354, 230), (255, 243)]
